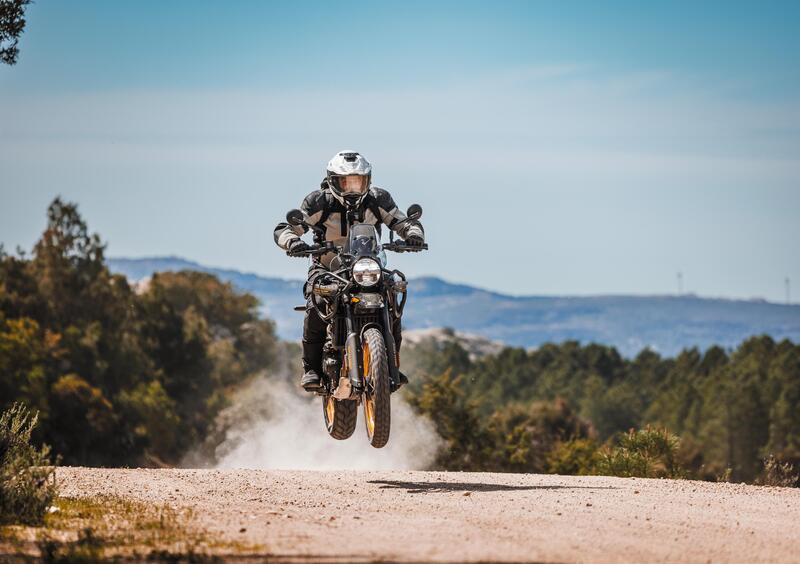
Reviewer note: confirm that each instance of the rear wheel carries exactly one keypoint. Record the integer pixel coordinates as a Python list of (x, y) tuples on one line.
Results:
[(340, 417), (377, 406)]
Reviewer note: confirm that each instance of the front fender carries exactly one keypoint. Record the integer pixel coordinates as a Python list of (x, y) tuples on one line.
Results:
[(368, 326)]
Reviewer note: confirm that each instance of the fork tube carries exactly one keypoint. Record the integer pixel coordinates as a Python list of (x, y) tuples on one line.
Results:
[(351, 345), (389, 338)]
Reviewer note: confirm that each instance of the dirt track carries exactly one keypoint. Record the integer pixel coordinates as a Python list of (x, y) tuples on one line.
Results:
[(431, 516)]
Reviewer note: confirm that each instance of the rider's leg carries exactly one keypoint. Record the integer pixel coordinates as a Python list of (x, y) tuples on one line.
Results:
[(314, 332), (397, 331)]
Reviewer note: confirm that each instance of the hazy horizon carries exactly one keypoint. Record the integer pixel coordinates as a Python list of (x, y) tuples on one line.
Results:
[(448, 280)]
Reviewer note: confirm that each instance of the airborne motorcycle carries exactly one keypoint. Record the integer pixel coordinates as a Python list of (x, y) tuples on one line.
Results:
[(359, 299)]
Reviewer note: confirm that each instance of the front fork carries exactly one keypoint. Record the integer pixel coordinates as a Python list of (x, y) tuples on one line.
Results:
[(390, 345), (352, 346)]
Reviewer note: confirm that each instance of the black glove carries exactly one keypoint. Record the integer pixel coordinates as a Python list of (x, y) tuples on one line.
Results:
[(298, 246), (414, 241)]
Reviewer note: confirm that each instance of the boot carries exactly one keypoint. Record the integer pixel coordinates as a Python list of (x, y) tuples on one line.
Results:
[(311, 381), (402, 379), (312, 366)]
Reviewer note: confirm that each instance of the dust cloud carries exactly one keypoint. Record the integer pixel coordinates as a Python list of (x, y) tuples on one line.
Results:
[(273, 424)]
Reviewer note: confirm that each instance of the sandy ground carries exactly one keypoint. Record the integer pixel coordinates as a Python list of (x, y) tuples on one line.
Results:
[(432, 516)]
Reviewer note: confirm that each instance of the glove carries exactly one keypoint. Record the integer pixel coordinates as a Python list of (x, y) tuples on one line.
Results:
[(298, 246), (414, 241)]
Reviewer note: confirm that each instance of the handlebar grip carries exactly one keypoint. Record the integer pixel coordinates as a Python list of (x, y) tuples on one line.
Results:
[(405, 248), (309, 252)]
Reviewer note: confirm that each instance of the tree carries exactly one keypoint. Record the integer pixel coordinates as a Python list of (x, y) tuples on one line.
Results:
[(784, 431), (69, 267), (611, 409), (151, 413), (12, 23), (732, 409), (466, 442), (84, 420), (524, 436), (21, 357), (120, 376)]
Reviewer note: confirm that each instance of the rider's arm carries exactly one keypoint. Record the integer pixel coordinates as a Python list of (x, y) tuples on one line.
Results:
[(286, 234), (311, 207), (391, 216)]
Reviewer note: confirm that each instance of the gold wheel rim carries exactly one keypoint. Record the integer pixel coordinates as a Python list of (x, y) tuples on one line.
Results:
[(330, 409), (369, 412), (369, 401)]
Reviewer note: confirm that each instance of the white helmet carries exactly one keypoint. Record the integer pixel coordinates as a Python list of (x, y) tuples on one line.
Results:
[(349, 176)]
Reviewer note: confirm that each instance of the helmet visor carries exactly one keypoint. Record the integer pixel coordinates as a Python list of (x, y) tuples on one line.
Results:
[(353, 184)]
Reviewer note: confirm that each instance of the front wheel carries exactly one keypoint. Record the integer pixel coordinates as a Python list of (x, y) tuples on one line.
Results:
[(377, 406), (340, 417)]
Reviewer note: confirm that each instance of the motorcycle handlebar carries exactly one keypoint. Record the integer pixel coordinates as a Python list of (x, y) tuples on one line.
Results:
[(399, 247), (405, 247), (313, 251)]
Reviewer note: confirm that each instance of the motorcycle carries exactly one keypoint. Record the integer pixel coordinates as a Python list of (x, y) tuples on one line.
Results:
[(361, 301)]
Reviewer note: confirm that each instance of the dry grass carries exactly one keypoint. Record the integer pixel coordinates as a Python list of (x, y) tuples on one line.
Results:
[(91, 529), (778, 474)]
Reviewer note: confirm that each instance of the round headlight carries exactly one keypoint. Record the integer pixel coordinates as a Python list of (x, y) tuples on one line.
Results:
[(366, 272)]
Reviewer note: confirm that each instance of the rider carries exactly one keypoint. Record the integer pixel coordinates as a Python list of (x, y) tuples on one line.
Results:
[(346, 187)]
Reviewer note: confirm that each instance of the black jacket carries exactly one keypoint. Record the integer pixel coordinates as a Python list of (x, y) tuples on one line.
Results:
[(323, 209)]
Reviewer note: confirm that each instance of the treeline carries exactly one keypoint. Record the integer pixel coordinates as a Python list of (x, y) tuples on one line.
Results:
[(124, 375), (569, 408), (120, 375)]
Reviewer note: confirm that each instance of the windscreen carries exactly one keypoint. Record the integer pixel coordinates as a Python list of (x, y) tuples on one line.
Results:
[(364, 242)]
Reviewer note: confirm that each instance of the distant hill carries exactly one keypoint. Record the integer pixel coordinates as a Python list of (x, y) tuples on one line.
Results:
[(665, 323)]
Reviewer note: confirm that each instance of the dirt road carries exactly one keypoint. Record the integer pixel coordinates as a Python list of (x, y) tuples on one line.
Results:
[(431, 516)]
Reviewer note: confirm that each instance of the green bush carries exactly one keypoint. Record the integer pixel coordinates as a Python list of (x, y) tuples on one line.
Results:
[(578, 457), (27, 477), (646, 453)]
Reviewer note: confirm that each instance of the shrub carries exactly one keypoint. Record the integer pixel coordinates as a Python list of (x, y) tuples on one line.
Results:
[(578, 457), (27, 477), (779, 474), (724, 476), (646, 453)]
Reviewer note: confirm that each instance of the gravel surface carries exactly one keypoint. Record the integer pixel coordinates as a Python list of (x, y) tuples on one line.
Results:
[(437, 516)]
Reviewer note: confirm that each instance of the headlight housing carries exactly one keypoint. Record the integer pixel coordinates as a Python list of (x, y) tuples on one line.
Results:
[(366, 272)]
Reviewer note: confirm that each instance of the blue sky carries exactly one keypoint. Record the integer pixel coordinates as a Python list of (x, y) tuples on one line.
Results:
[(562, 148)]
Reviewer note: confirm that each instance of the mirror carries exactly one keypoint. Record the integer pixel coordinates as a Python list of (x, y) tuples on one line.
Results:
[(414, 211), (294, 217)]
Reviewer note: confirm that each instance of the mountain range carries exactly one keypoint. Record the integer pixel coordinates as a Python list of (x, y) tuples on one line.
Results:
[(665, 323)]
